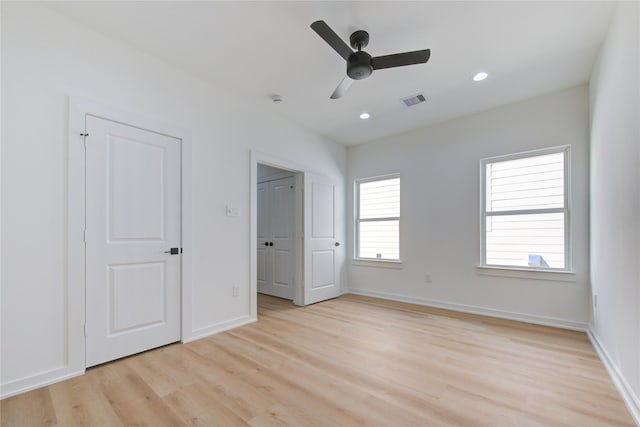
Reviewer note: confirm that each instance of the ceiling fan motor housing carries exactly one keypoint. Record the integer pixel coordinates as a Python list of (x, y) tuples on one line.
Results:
[(359, 65)]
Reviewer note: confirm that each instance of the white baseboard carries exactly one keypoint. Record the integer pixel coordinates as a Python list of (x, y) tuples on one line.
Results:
[(630, 399), (473, 309), (219, 327), (33, 382)]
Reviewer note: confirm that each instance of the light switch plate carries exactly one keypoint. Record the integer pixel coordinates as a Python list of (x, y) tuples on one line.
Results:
[(233, 211)]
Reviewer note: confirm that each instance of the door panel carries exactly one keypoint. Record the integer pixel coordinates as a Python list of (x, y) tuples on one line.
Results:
[(323, 215), (132, 217), (320, 244), (323, 269), (128, 285), (282, 271), (281, 197), (136, 197), (262, 268), (262, 230)]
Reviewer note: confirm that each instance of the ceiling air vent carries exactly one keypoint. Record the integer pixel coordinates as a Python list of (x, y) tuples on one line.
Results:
[(414, 100)]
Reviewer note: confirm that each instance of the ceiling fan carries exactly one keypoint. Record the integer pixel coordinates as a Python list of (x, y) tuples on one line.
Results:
[(360, 64)]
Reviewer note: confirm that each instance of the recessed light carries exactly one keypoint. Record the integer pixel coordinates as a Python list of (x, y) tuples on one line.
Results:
[(365, 116), (480, 76)]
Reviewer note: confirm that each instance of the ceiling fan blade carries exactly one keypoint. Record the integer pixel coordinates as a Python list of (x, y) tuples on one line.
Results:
[(401, 59), (332, 38), (342, 88)]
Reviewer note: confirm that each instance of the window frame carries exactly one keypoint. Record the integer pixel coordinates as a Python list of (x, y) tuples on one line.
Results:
[(357, 220), (566, 149)]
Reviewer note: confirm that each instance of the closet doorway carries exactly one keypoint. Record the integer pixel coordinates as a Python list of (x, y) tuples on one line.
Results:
[(278, 226)]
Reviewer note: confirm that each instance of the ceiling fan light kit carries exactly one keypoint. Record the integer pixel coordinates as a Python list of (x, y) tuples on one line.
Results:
[(360, 64)]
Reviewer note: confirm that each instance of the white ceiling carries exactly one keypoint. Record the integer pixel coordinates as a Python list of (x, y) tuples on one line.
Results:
[(260, 48)]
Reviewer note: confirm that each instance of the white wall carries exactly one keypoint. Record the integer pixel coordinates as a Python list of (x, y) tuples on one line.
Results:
[(439, 168), (45, 58), (615, 201)]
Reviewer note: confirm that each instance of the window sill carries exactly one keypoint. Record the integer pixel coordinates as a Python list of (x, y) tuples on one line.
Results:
[(527, 273), (377, 263)]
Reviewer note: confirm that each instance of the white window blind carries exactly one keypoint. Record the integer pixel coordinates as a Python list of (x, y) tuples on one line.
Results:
[(378, 218), (525, 210)]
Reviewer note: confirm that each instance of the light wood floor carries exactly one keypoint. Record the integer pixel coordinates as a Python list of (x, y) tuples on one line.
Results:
[(349, 361)]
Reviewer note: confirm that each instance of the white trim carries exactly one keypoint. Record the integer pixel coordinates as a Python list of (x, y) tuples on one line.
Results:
[(630, 399), (377, 263), (275, 176), (523, 154), (527, 273), (220, 327), (33, 382), (474, 309), (79, 108), (187, 244), (75, 310), (378, 177), (526, 212)]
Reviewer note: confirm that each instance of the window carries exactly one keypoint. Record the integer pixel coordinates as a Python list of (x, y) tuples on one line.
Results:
[(525, 213), (378, 218)]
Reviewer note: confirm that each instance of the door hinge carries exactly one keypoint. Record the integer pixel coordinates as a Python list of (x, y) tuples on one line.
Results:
[(85, 329), (84, 236)]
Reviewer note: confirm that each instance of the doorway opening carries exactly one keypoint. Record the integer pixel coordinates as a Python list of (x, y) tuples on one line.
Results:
[(278, 232), (314, 249)]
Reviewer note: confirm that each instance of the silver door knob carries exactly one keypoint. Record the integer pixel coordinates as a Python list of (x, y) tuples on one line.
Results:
[(336, 244)]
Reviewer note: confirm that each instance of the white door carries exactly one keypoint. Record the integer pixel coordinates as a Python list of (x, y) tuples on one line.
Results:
[(133, 221), (321, 278), (264, 273), (275, 246)]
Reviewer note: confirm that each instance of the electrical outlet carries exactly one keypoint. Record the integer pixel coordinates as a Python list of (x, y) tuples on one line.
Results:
[(427, 278), (236, 291)]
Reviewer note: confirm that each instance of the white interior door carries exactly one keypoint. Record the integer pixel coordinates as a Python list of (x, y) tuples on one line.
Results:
[(263, 267), (321, 278), (132, 219), (276, 243)]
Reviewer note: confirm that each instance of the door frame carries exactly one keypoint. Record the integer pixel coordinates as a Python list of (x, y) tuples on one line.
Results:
[(298, 171), (78, 109)]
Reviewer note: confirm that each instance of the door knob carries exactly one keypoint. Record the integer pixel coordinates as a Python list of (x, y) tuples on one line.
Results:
[(172, 251), (336, 244), (270, 243), (266, 243)]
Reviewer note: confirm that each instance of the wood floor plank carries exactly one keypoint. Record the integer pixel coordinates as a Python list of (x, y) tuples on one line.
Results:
[(197, 406), (80, 402), (29, 409), (349, 361)]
